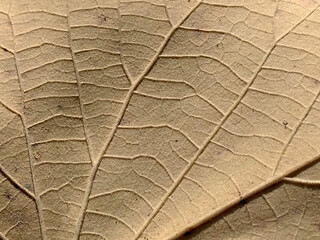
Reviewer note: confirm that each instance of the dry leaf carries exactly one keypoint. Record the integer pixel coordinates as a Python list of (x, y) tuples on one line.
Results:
[(286, 211), (144, 119)]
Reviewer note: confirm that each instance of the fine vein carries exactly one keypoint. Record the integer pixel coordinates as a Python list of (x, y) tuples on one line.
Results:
[(16, 183), (84, 123), (270, 182), (200, 151), (118, 120), (293, 132), (28, 142)]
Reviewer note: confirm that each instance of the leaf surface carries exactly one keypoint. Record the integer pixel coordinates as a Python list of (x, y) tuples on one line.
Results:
[(142, 119), (287, 210)]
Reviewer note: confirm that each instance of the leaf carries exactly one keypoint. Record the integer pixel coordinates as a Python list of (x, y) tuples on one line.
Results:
[(287, 210), (144, 119)]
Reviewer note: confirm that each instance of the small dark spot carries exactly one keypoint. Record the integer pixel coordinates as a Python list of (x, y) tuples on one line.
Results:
[(218, 44), (60, 106), (317, 224), (28, 186), (102, 18), (116, 222), (188, 233), (15, 185), (285, 123), (176, 140), (243, 202), (8, 196), (15, 170)]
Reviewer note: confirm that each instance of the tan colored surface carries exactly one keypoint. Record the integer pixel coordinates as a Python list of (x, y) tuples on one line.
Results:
[(284, 212), (142, 119)]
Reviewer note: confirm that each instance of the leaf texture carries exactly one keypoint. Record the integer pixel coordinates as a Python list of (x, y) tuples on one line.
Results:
[(143, 119), (287, 210)]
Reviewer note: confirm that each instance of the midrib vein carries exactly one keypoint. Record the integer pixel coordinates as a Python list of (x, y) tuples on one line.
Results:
[(118, 120), (38, 202), (217, 128)]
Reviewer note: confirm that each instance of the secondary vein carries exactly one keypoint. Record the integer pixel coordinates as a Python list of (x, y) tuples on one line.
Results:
[(200, 151), (28, 142), (120, 116)]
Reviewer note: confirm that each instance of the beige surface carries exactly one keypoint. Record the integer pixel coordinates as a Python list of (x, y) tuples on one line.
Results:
[(283, 212), (143, 119)]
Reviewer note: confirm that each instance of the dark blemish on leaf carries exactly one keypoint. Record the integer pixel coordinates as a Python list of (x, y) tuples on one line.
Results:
[(317, 225), (243, 202), (8, 195), (188, 233), (285, 123), (15, 185), (28, 186), (60, 107), (102, 18), (176, 140)]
